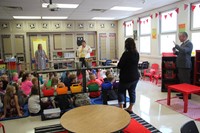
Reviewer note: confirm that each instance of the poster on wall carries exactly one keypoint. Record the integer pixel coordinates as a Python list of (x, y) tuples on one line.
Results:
[(181, 27), (154, 33), (39, 41), (79, 40), (135, 35)]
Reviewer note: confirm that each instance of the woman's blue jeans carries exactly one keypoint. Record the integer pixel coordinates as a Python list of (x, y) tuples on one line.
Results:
[(131, 91)]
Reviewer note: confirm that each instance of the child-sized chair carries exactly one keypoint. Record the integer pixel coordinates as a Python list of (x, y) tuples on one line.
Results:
[(151, 71), (157, 76)]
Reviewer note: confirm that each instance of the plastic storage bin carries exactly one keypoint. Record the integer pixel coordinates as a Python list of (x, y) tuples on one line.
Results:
[(75, 88), (52, 113)]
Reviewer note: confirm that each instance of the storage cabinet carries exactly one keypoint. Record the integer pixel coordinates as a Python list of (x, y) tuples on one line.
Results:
[(197, 68), (170, 71)]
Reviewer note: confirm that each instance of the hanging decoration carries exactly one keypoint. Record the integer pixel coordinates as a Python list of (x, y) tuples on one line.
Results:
[(165, 16), (138, 21), (185, 6), (147, 20), (170, 14), (177, 10), (157, 15), (193, 7), (151, 16), (132, 21), (124, 24)]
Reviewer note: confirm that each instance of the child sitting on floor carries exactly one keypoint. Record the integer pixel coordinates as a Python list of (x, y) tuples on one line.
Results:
[(22, 98), (92, 81), (26, 83), (11, 106), (34, 101), (14, 78)]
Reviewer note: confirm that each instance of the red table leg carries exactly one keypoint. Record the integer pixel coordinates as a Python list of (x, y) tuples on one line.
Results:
[(168, 96), (185, 97)]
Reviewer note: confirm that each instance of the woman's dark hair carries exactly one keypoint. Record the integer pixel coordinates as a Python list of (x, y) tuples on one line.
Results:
[(21, 73), (130, 45), (34, 90), (24, 76)]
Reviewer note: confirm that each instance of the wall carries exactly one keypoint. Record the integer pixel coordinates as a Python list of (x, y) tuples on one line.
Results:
[(154, 56), (25, 27)]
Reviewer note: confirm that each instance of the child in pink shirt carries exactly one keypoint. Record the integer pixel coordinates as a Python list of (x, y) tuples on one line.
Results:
[(26, 84)]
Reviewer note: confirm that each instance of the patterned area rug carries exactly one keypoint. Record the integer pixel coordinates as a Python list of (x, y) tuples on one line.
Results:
[(178, 105), (138, 126)]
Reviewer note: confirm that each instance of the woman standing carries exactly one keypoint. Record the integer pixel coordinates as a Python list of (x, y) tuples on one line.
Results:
[(40, 58), (129, 74)]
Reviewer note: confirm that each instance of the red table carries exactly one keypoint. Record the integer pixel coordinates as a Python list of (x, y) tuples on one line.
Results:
[(186, 89)]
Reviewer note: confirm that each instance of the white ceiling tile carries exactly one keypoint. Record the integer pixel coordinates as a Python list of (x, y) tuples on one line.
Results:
[(83, 12)]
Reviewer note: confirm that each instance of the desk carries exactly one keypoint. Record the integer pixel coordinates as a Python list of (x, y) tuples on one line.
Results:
[(186, 89), (95, 119)]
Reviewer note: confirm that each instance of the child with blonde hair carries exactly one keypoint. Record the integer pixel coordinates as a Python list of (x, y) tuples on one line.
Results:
[(11, 106)]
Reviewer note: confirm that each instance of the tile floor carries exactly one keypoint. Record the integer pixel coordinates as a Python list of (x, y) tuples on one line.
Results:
[(163, 118)]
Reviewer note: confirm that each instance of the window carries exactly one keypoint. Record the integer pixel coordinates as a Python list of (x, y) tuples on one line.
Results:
[(168, 30), (145, 42), (195, 40), (167, 42), (128, 29), (145, 35), (196, 17), (195, 35)]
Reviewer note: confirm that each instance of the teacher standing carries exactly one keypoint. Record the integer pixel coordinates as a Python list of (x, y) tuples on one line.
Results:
[(129, 75), (40, 58), (83, 52), (183, 60)]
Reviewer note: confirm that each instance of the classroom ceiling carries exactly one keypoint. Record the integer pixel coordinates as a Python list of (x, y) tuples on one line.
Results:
[(10, 8)]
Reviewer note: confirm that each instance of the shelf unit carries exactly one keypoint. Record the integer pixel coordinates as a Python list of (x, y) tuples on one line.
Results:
[(83, 70), (197, 68), (169, 71), (63, 59)]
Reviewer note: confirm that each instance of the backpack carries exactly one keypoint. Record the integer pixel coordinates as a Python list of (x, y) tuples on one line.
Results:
[(82, 99), (107, 85)]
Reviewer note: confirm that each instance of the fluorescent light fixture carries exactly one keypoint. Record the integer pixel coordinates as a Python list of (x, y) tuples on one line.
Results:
[(52, 17), (123, 8), (26, 17), (102, 18), (44, 5)]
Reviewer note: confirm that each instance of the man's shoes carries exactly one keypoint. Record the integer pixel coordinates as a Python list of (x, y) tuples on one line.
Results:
[(179, 94), (189, 97)]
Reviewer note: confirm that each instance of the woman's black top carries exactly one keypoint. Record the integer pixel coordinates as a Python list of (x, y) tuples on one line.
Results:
[(128, 65)]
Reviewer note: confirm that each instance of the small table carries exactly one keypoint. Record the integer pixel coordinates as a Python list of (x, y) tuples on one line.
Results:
[(95, 119), (184, 88)]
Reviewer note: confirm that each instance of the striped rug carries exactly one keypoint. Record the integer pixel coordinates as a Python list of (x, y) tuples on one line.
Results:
[(57, 128), (147, 125)]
